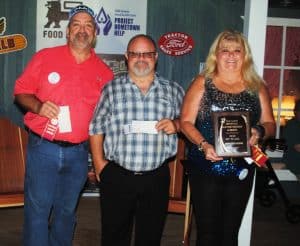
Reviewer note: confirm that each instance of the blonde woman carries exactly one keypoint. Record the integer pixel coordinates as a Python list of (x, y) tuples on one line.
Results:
[(221, 185)]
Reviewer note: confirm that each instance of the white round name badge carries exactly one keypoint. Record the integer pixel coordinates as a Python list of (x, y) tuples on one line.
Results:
[(53, 77)]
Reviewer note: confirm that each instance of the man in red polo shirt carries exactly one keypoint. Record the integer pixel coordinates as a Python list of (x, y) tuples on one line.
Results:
[(59, 89)]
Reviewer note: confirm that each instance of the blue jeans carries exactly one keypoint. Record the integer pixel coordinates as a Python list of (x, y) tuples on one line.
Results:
[(54, 177)]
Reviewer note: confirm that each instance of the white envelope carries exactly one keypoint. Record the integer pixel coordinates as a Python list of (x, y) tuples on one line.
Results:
[(141, 126), (64, 120)]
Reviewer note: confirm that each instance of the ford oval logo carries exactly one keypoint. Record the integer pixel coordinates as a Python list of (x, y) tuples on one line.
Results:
[(176, 43)]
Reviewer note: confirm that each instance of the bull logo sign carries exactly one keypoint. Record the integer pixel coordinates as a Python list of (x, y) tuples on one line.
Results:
[(10, 43), (58, 12), (55, 15)]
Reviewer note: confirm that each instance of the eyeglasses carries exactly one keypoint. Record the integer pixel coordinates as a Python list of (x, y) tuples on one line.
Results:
[(148, 55)]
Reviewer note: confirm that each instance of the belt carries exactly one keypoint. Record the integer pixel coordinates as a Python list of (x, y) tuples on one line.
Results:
[(57, 142), (137, 173)]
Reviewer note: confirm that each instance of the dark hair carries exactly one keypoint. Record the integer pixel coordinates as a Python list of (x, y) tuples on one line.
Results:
[(142, 36)]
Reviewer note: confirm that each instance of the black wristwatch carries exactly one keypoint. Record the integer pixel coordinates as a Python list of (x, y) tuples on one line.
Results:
[(200, 145)]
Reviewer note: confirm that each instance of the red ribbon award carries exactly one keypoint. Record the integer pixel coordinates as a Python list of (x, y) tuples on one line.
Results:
[(258, 156)]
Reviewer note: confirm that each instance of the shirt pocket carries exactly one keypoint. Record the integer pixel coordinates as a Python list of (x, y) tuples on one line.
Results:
[(164, 108), (121, 111)]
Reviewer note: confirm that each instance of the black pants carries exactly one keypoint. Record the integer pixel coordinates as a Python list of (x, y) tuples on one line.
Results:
[(219, 203), (129, 199)]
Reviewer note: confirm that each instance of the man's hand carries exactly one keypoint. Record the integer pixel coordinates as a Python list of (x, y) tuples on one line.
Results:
[(48, 109), (99, 161), (31, 103), (99, 165), (166, 125)]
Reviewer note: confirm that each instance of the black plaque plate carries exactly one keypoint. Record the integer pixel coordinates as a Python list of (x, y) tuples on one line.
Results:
[(232, 134)]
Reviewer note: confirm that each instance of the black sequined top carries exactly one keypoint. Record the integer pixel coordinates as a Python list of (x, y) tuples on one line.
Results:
[(214, 100)]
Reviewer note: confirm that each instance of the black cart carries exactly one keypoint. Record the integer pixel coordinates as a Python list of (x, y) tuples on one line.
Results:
[(267, 181)]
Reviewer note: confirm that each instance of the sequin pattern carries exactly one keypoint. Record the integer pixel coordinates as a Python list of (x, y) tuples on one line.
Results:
[(214, 100)]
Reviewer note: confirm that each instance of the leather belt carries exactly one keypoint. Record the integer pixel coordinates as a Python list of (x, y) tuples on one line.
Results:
[(137, 173), (58, 142)]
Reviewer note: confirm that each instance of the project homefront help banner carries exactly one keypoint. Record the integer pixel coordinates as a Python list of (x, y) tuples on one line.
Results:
[(117, 22)]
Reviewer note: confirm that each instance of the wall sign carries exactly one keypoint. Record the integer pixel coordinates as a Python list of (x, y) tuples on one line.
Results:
[(176, 43), (10, 43), (117, 21)]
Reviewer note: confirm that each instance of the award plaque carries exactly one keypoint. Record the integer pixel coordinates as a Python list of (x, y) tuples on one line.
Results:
[(232, 132)]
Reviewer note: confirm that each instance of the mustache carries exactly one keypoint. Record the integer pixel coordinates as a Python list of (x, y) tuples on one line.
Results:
[(81, 35), (141, 62)]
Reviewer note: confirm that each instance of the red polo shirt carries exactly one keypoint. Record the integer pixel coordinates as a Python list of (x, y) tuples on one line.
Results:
[(54, 75)]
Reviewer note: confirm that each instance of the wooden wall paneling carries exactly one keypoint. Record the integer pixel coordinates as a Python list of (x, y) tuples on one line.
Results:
[(13, 140)]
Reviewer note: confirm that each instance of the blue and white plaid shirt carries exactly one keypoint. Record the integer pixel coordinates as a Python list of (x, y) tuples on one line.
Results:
[(122, 102)]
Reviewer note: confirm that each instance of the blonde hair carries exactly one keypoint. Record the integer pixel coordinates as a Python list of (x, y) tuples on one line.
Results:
[(252, 80)]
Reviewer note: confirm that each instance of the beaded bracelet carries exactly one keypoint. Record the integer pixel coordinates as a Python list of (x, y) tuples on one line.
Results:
[(200, 147)]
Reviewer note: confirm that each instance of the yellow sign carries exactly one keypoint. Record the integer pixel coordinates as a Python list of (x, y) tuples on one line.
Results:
[(10, 43)]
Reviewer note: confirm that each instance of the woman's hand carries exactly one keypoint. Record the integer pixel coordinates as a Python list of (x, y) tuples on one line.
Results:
[(255, 137), (210, 153)]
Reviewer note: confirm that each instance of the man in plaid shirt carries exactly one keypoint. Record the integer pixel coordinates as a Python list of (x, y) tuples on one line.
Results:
[(132, 135)]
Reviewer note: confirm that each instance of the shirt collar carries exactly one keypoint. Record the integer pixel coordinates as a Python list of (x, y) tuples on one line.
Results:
[(154, 83)]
